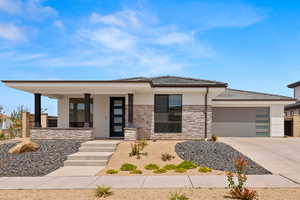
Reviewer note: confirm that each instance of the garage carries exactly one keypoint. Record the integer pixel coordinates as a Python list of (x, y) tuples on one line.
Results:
[(241, 121)]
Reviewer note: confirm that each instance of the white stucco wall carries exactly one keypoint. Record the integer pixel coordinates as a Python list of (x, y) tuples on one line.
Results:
[(297, 92), (277, 120), (63, 112)]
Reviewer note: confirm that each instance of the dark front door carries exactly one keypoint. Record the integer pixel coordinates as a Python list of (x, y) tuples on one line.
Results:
[(117, 116)]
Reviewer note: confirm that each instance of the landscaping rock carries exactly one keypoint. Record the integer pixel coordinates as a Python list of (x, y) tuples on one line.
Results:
[(24, 146), (50, 155), (216, 155)]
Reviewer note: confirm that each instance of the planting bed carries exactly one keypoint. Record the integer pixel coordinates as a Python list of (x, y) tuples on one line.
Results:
[(49, 157), (216, 155)]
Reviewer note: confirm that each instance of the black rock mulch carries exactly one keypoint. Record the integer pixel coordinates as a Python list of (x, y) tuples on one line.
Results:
[(49, 157), (216, 155)]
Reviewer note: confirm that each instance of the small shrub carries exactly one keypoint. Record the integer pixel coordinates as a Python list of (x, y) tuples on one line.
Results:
[(112, 171), (2, 136), (238, 190), (136, 171), (151, 166), (214, 138), (204, 169), (187, 165), (128, 167), (167, 157), (160, 171), (178, 196), (170, 167), (142, 143), (136, 150), (103, 191), (180, 170)]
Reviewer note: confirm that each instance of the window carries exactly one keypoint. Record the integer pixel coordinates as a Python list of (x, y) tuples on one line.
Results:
[(76, 112), (168, 113)]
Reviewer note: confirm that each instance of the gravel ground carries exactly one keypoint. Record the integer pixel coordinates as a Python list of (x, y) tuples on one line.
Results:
[(49, 157), (216, 155)]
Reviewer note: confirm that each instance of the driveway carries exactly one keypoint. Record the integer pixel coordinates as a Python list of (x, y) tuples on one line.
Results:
[(278, 155)]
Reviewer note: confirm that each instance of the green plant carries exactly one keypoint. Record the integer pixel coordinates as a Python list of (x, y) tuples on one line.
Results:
[(142, 143), (167, 157), (103, 191), (180, 170), (112, 171), (214, 138), (136, 150), (204, 169), (160, 171), (178, 196), (170, 167), (128, 167), (2, 136), (187, 165), (136, 171), (151, 166), (238, 190)]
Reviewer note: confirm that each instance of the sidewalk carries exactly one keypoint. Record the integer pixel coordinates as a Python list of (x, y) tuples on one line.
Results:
[(126, 182)]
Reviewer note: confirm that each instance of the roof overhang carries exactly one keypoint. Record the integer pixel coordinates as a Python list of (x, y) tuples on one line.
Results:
[(293, 85), (249, 103)]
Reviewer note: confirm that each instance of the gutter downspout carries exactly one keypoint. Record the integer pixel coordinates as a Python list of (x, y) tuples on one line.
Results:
[(205, 113)]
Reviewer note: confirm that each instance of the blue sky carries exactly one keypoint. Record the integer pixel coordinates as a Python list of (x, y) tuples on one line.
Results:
[(252, 45)]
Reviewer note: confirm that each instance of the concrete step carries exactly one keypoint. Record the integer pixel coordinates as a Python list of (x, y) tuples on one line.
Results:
[(96, 143), (97, 149), (90, 156), (85, 163)]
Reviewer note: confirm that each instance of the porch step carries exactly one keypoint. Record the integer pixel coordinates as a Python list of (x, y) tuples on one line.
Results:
[(96, 143), (90, 156), (99, 163), (97, 149)]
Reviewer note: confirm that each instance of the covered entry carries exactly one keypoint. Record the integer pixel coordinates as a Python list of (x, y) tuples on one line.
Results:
[(241, 121)]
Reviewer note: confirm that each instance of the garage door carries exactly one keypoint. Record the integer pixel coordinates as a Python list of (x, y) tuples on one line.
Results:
[(240, 122)]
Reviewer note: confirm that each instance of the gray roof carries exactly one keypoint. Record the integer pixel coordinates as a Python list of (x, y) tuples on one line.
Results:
[(292, 106), (242, 95), (175, 81)]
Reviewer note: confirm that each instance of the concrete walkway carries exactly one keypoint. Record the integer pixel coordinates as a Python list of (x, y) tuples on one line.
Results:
[(126, 182)]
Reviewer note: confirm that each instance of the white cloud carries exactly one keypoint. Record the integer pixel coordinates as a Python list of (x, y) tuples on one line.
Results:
[(11, 32), (175, 38), (10, 6), (126, 18), (58, 24), (33, 9)]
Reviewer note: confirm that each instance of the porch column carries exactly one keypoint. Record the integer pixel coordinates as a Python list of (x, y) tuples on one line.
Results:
[(130, 110), (37, 110), (87, 110)]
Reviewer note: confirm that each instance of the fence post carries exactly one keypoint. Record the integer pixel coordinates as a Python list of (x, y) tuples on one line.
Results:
[(25, 124)]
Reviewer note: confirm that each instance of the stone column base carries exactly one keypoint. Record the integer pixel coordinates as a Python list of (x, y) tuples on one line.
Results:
[(130, 134)]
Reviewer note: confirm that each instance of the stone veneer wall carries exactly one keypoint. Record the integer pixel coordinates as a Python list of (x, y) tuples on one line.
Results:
[(192, 122), (62, 133)]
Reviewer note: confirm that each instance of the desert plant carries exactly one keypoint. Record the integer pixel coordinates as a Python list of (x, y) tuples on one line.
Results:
[(178, 196), (204, 169), (238, 190), (142, 143), (170, 167), (187, 165), (112, 171), (128, 167), (136, 150), (214, 138), (16, 118), (160, 171), (136, 171), (180, 170), (151, 166), (167, 157), (103, 191), (2, 136), (1, 114)]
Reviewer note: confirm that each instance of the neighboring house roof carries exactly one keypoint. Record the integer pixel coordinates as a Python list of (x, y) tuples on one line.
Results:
[(2, 116), (293, 85), (161, 81), (242, 95), (292, 106), (176, 81)]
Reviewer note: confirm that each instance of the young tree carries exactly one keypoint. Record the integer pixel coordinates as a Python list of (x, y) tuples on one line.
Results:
[(1, 113), (16, 118)]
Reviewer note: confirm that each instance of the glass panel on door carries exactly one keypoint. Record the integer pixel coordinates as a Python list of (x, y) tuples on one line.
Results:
[(117, 120)]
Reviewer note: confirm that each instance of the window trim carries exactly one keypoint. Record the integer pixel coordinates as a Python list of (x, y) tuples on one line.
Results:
[(181, 109)]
